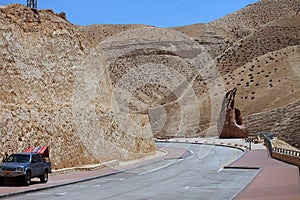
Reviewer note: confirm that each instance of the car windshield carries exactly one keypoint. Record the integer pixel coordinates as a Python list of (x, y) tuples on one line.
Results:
[(18, 158)]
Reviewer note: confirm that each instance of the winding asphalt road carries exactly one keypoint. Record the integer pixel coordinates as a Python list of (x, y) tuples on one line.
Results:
[(198, 176)]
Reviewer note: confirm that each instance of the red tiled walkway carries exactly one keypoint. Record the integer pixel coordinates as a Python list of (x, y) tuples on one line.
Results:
[(276, 180)]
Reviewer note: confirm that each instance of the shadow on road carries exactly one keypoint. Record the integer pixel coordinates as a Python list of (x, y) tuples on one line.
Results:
[(18, 183)]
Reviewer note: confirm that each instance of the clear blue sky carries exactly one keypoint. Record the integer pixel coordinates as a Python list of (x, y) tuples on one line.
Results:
[(161, 13)]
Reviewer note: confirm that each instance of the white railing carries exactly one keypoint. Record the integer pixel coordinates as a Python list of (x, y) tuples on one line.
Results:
[(286, 151)]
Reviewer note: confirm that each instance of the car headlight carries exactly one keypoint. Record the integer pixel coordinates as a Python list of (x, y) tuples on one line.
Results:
[(20, 169)]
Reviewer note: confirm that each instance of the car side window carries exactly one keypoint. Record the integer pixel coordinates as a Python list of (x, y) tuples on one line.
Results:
[(38, 158), (33, 159)]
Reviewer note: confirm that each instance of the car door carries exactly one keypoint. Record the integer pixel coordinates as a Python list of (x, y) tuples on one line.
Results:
[(39, 165), (36, 165)]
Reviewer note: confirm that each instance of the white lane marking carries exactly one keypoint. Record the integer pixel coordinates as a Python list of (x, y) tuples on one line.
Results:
[(153, 170), (61, 194), (192, 152), (193, 187), (97, 186), (159, 168), (221, 169), (111, 179)]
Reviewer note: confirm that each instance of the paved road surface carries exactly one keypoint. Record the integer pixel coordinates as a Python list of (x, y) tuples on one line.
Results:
[(199, 176)]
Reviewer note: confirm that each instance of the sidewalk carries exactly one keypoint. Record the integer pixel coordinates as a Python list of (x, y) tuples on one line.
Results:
[(276, 180)]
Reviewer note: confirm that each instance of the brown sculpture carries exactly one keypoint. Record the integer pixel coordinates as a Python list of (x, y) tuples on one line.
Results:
[(230, 123)]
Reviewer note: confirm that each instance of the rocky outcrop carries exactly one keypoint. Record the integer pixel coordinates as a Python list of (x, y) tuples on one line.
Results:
[(157, 72), (230, 123), (233, 126), (100, 32), (56, 91)]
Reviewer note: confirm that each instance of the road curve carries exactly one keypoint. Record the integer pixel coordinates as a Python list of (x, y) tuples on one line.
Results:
[(199, 176)]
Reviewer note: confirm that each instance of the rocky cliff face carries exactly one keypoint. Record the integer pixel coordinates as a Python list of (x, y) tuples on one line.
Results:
[(56, 91), (158, 72)]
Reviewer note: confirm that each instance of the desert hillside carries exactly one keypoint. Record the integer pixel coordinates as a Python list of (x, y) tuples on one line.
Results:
[(255, 49), (98, 33), (56, 91), (219, 35)]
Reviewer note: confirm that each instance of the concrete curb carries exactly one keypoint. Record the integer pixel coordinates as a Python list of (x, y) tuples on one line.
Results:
[(206, 143), (111, 163)]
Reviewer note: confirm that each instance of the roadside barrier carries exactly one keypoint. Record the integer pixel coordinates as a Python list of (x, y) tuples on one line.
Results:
[(268, 143), (286, 151), (286, 155)]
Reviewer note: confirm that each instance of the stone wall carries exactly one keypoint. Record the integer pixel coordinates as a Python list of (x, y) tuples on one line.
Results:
[(283, 121), (286, 158)]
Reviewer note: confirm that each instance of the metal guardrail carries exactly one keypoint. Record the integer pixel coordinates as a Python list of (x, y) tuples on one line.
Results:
[(285, 155), (265, 133), (268, 143)]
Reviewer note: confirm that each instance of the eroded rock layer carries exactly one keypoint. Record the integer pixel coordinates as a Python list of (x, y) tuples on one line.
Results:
[(255, 50), (56, 91)]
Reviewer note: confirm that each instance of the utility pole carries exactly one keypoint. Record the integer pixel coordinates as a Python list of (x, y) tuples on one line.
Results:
[(32, 4)]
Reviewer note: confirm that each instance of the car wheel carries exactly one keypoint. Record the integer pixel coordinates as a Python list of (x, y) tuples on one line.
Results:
[(27, 178), (44, 177)]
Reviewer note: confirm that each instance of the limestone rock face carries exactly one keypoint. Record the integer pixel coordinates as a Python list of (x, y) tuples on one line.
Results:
[(56, 91), (158, 72)]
